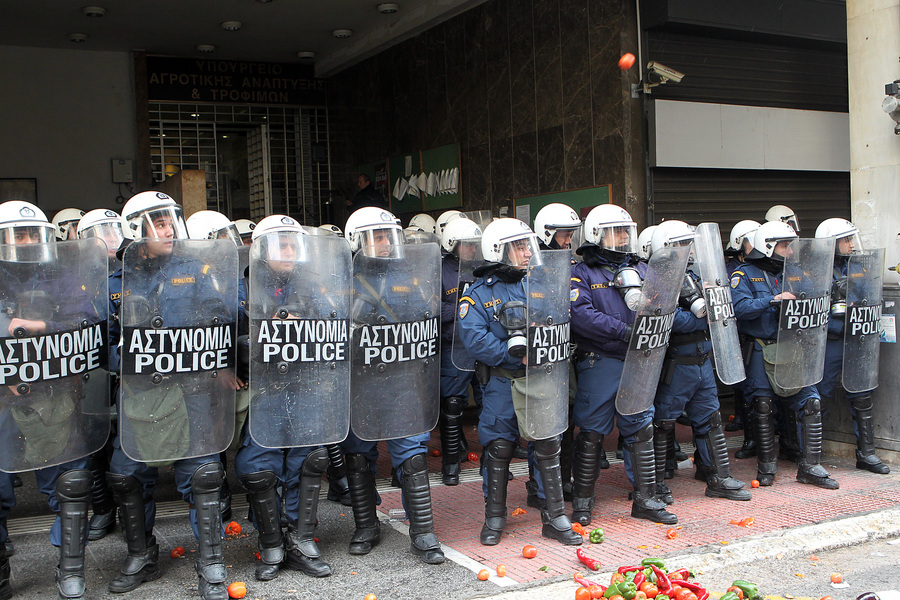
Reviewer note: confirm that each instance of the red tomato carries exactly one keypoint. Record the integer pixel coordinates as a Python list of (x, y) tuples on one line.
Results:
[(582, 593), (529, 551), (484, 575), (649, 589), (238, 589), (596, 592), (501, 570), (736, 590), (836, 578), (472, 457)]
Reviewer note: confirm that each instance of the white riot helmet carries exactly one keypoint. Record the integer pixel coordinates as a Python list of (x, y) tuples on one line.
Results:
[(845, 234), (423, 222), (556, 217), (612, 229), (459, 230), (375, 231), (106, 224), (671, 233), (212, 225), (783, 214), (328, 228), (148, 211), (644, 247), (767, 238), (65, 222), (446, 217), (279, 236), (510, 242), (742, 232), (245, 228), (25, 233)]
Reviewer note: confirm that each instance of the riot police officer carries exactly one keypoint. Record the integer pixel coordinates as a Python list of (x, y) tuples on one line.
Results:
[(851, 284), (493, 326), (165, 285), (65, 223), (605, 292), (754, 287)]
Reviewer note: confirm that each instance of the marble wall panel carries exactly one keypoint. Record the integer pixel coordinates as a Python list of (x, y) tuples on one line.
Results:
[(496, 29), (550, 160), (547, 63), (476, 75), (579, 152), (521, 64), (476, 174), (525, 164), (575, 58), (501, 171)]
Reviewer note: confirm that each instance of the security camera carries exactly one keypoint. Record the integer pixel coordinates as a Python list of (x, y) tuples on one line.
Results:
[(664, 72)]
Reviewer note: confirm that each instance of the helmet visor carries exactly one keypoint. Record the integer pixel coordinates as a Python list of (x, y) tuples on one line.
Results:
[(521, 253), (162, 223), (382, 243), (229, 232), (111, 234), (284, 248), (620, 238), (847, 245), (566, 238), (28, 243)]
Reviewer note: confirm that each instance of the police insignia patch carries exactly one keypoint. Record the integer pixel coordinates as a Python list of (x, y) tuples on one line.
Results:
[(735, 281), (463, 310), (573, 295)]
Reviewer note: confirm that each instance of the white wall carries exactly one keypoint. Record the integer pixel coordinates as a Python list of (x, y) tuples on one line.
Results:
[(724, 136), (65, 114)]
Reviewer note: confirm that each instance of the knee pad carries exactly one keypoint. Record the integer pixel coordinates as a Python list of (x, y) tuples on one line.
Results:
[(207, 478), (665, 425), (645, 433), (500, 449), (591, 437), (259, 481), (74, 485), (862, 402), (762, 405), (414, 464), (715, 419), (123, 484), (547, 449), (316, 462), (453, 405), (813, 406), (357, 462)]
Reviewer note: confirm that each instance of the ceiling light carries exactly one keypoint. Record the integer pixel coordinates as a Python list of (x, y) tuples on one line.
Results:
[(93, 11), (307, 54), (78, 38), (206, 48), (231, 25), (388, 8), (342, 33)]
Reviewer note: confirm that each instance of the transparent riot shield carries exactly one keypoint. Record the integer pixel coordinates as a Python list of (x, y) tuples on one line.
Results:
[(862, 326), (803, 325), (395, 362), (178, 380), (299, 340), (546, 394), (421, 237), (653, 323), (482, 217), (243, 260), (470, 258), (54, 371), (709, 256)]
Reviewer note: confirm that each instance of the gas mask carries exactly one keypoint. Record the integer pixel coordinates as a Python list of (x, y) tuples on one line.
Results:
[(839, 298), (513, 316), (691, 298), (628, 281)]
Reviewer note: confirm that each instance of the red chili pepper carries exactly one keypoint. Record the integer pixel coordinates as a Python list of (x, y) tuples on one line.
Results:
[(624, 570), (662, 580), (641, 578), (689, 585), (704, 595), (587, 561), (680, 574), (587, 582)]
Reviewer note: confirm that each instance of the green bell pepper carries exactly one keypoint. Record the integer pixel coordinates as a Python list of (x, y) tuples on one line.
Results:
[(597, 535), (612, 590), (658, 562), (751, 590), (627, 589), (730, 596)]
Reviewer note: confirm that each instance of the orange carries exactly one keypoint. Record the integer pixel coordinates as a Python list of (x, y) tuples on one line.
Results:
[(238, 589), (484, 575), (501, 570), (836, 578), (582, 593)]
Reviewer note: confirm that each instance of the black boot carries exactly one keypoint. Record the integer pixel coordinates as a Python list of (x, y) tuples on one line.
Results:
[(766, 459), (719, 482), (5, 587), (206, 484), (584, 470), (866, 459), (417, 497), (338, 489), (789, 440), (497, 457), (643, 466), (103, 520), (451, 434), (143, 552), (362, 493), (661, 445), (748, 447), (565, 461), (264, 502), (671, 462), (809, 470), (556, 524), (73, 490), (302, 551)]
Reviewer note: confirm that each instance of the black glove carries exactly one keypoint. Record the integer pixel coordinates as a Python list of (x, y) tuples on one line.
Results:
[(629, 330), (839, 289)]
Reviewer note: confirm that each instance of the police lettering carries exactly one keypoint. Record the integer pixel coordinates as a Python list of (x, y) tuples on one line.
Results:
[(397, 342), (804, 313), (548, 344), (718, 304), (302, 340), (864, 320), (47, 357), (178, 349), (651, 331)]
